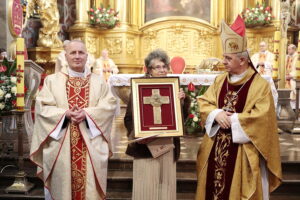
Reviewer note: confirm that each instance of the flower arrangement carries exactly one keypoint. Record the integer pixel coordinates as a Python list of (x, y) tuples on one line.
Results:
[(103, 17), (192, 123), (259, 15), (8, 86)]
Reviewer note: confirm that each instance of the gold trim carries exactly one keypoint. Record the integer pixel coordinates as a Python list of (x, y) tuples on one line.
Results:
[(178, 19), (135, 83)]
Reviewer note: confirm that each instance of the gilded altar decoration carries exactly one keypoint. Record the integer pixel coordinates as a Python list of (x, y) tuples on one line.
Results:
[(8, 86), (103, 17), (260, 15), (49, 16)]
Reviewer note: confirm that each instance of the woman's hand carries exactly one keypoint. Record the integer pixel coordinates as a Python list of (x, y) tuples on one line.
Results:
[(181, 94)]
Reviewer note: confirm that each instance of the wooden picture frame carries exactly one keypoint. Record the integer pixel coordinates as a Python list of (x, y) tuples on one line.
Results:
[(156, 107)]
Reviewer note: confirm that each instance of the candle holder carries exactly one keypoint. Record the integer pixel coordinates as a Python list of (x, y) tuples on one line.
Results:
[(297, 98), (276, 80), (20, 185)]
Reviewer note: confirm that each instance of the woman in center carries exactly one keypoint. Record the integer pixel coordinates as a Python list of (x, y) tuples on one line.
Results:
[(154, 178)]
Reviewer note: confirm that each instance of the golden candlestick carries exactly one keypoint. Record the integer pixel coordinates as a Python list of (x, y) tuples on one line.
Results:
[(276, 53), (20, 73), (20, 184)]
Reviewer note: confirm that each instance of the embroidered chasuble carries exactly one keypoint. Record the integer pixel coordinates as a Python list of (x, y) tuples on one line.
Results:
[(223, 154), (72, 159), (228, 170), (78, 94)]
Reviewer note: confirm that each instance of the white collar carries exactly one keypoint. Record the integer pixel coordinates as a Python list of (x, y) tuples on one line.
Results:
[(237, 77), (73, 73)]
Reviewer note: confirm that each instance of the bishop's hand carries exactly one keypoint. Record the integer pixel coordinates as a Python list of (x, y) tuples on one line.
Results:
[(223, 119)]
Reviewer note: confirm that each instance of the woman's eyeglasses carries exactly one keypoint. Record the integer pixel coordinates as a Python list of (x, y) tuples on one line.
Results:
[(159, 68)]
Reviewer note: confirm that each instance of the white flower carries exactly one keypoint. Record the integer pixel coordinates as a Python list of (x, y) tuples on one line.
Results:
[(13, 79), (2, 106), (14, 90), (8, 95), (192, 104), (261, 8), (1, 93), (269, 15), (195, 119), (247, 11), (269, 18)]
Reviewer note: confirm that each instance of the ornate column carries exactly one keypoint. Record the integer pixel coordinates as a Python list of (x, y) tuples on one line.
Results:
[(284, 21), (275, 4), (82, 6), (236, 7)]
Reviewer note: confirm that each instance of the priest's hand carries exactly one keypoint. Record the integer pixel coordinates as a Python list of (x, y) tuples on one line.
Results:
[(223, 119), (78, 116), (181, 94), (70, 112)]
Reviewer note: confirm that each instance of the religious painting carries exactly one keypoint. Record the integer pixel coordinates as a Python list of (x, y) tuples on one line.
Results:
[(156, 107), (163, 8)]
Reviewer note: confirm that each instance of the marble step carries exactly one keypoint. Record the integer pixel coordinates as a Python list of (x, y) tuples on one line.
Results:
[(120, 180)]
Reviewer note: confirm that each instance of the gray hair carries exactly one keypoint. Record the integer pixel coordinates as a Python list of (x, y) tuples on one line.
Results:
[(65, 43), (157, 54), (75, 40), (293, 46), (243, 54), (263, 42)]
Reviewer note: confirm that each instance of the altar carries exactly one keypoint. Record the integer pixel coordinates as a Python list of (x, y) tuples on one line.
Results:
[(121, 83)]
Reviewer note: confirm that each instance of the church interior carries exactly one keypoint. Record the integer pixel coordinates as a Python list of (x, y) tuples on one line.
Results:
[(188, 30)]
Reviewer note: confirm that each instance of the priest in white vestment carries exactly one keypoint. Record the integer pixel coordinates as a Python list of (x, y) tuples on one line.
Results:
[(105, 66), (263, 60), (290, 71), (61, 61), (71, 138)]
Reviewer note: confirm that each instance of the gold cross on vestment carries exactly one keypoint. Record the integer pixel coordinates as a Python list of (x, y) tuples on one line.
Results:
[(156, 100)]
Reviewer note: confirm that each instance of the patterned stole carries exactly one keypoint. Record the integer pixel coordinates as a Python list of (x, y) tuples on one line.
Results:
[(78, 94), (221, 161), (262, 58), (106, 66)]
